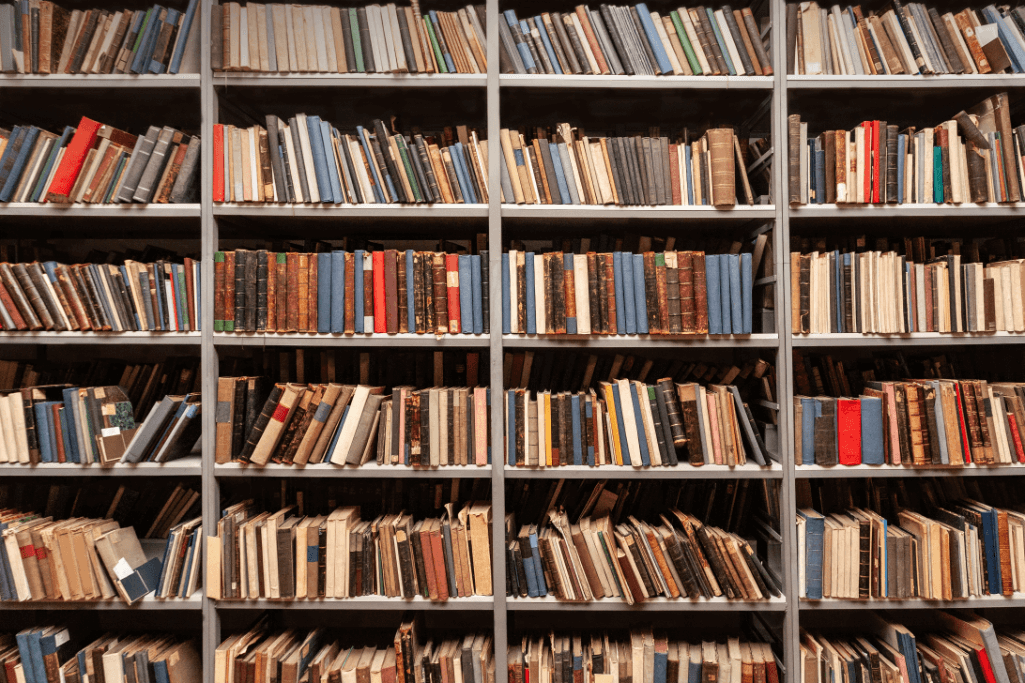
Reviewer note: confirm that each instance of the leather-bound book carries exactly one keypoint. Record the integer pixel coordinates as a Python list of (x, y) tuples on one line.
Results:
[(392, 291), (272, 291), (609, 314), (700, 293), (557, 279), (427, 264), (967, 27), (439, 287), (402, 293), (825, 433), (724, 182), (302, 299), (255, 433), (661, 295), (593, 293), (650, 293), (675, 418), (794, 152), (56, 36), (282, 293), (261, 290), (599, 316), (674, 319), (685, 275), (311, 293)]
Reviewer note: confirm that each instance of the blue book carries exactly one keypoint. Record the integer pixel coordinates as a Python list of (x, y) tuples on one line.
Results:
[(63, 416), (813, 186), (589, 415), (687, 172), (820, 174), (578, 453), (693, 670), (11, 184), (6, 578), (629, 303), (357, 285), (463, 174), (542, 587), (149, 39), (641, 438), (70, 401), (477, 293), (941, 431), (654, 41), (640, 305), (528, 571), (567, 266), (521, 47), (1014, 50), (722, 43), (337, 291), (746, 289), (139, 323), (902, 143), (155, 67), (161, 303), (560, 176), (43, 429), (992, 549), (466, 314), (528, 262), (617, 267), (22, 638), (182, 307), (578, 665), (660, 666), (183, 37), (937, 160), (324, 292), (35, 639), (319, 159), (510, 397), (379, 187), (160, 671), (547, 43), (726, 292), (506, 317), (814, 529), (810, 409), (617, 400), (332, 167), (872, 431), (50, 159), (715, 322), (410, 303)]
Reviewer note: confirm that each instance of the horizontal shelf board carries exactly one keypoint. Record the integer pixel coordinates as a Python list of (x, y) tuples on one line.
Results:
[(185, 467), (306, 80), (905, 82), (477, 602), (738, 212), (913, 339), (148, 603), (101, 210), (370, 470), (985, 601), (619, 472), (640, 82), (380, 340), (862, 211), (100, 81), (548, 604), (842, 472), (72, 337), (353, 210), (635, 341)]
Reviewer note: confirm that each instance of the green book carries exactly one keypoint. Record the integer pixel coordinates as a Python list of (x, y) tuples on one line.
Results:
[(219, 324), (937, 174), (410, 173), (688, 49), (357, 48), (142, 32), (183, 298), (438, 57)]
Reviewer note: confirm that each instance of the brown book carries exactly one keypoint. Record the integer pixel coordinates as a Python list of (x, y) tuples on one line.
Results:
[(964, 23), (439, 284), (276, 423), (302, 299), (272, 292), (311, 295), (794, 152), (700, 293), (661, 296), (350, 293), (292, 284), (225, 418)]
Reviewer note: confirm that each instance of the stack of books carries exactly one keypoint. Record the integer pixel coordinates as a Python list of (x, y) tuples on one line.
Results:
[(97, 164), (631, 40), (361, 292), (673, 292), (906, 39), (33, 653), (155, 297), (630, 423), (343, 424), (45, 559), (45, 38), (306, 160), (973, 157), (892, 293), (338, 555), (314, 656), (642, 655), (371, 39), (565, 165)]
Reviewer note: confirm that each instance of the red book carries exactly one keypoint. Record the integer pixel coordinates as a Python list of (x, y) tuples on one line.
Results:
[(218, 162), (55, 414), (1018, 448), (987, 670), (452, 272), (875, 162), (848, 430), (965, 448), (190, 293), (71, 163), (380, 314)]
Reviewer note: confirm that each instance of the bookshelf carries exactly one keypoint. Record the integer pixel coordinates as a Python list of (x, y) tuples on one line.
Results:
[(772, 95)]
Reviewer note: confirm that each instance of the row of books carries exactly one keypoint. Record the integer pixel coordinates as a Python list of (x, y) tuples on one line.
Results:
[(306, 160), (567, 165), (340, 555), (886, 293), (631, 40), (593, 559), (634, 424), (95, 163), (906, 39), (45, 38), (292, 656), (159, 297), (359, 292), (145, 383), (675, 292), (974, 157), (371, 39), (640, 655), (343, 424), (961, 646), (46, 654), (92, 559)]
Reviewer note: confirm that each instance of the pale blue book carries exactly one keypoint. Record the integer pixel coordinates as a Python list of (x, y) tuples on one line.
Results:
[(640, 305), (712, 294), (628, 298), (319, 159), (746, 289), (560, 176), (548, 44), (324, 292), (478, 294), (810, 409), (725, 294), (617, 268), (410, 302), (567, 267), (337, 291), (357, 287), (872, 452), (466, 310), (654, 41), (332, 167)]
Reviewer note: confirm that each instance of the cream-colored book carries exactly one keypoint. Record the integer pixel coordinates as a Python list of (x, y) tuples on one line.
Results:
[(316, 50), (414, 38), (297, 31), (339, 40), (262, 47), (811, 32), (667, 44), (396, 38), (282, 38), (243, 37), (329, 38), (307, 160)]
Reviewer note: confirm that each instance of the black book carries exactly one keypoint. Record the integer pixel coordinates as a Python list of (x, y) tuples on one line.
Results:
[(241, 257), (364, 39)]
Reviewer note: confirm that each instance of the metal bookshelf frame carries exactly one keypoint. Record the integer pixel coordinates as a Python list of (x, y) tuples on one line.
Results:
[(777, 214)]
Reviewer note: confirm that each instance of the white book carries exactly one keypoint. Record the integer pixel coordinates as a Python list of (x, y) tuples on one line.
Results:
[(236, 162), (293, 59), (307, 158), (396, 38), (377, 39), (314, 19), (348, 426), (804, 162), (254, 164), (329, 37), (434, 400), (581, 293), (17, 412), (361, 173), (629, 421), (514, 323), (540, 319), (542, 432), (243, 39), (731, 44)]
